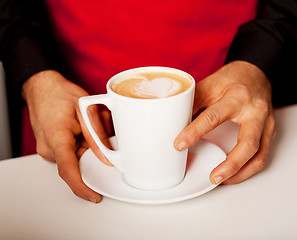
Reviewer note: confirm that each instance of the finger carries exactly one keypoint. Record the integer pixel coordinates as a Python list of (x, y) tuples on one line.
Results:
[(107, 122), (81, 149), (44, 151), (256, 163), (95, 120), (208, 120), (68, 169), (248, 142), (203, 95)]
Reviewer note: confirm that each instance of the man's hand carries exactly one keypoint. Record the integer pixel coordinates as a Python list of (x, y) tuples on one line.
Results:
[(57, 125), (239, 92)]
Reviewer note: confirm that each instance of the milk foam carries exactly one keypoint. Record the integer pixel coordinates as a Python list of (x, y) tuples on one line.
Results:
[(157, 88), (151, 85)]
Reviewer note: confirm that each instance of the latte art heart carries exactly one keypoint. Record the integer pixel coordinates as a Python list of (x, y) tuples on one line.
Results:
[(151, 85), (157, 88)]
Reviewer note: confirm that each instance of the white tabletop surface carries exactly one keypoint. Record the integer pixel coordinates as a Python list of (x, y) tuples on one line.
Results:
[(36, 204)]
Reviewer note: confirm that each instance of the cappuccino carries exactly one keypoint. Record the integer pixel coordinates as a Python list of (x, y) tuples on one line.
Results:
[(152, 84), (146, 122)]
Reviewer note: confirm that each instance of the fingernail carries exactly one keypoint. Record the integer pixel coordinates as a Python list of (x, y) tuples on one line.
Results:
[(94, 200), (218, 179), (107, 162), (181, 146)]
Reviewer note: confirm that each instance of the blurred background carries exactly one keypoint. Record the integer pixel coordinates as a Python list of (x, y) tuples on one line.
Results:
[(5, 139)]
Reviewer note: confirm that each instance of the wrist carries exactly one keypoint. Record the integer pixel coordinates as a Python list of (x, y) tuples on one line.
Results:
[(246, 68), (38, 82)]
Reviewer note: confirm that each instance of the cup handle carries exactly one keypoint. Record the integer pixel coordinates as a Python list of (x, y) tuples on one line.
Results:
[(84, 102)]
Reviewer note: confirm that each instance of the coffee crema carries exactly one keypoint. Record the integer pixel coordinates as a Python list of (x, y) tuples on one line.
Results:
[(149, 85)]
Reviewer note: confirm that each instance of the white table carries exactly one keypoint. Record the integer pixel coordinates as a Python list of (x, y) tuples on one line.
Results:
[(36, 204)]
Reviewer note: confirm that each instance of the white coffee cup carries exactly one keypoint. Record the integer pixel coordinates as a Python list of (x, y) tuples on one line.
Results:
[(145, 131)]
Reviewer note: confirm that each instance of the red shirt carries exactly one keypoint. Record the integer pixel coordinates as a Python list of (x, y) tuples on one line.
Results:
[(102, 38)]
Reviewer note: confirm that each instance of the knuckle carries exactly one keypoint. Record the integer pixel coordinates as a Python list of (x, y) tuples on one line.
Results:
[(259, 164), (240, 92), (57, 139), (253, 145), (234, 167), (262, 107), (212, 118), (76, 193), (271, 121), (45, 152)]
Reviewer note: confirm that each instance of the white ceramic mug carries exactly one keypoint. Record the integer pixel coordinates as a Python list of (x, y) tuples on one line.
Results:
[(145, 131)]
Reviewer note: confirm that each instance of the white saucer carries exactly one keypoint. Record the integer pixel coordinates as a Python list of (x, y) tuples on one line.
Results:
[(203, 158)]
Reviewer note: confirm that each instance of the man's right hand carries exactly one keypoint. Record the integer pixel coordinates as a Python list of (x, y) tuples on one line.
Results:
[(58, 126)]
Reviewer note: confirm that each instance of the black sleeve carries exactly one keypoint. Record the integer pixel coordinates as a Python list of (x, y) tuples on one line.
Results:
[(270, 42), (26, 45)]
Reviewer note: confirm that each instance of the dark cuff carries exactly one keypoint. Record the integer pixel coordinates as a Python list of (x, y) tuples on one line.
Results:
[(26, 55), (257, 47), (274, 55)]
